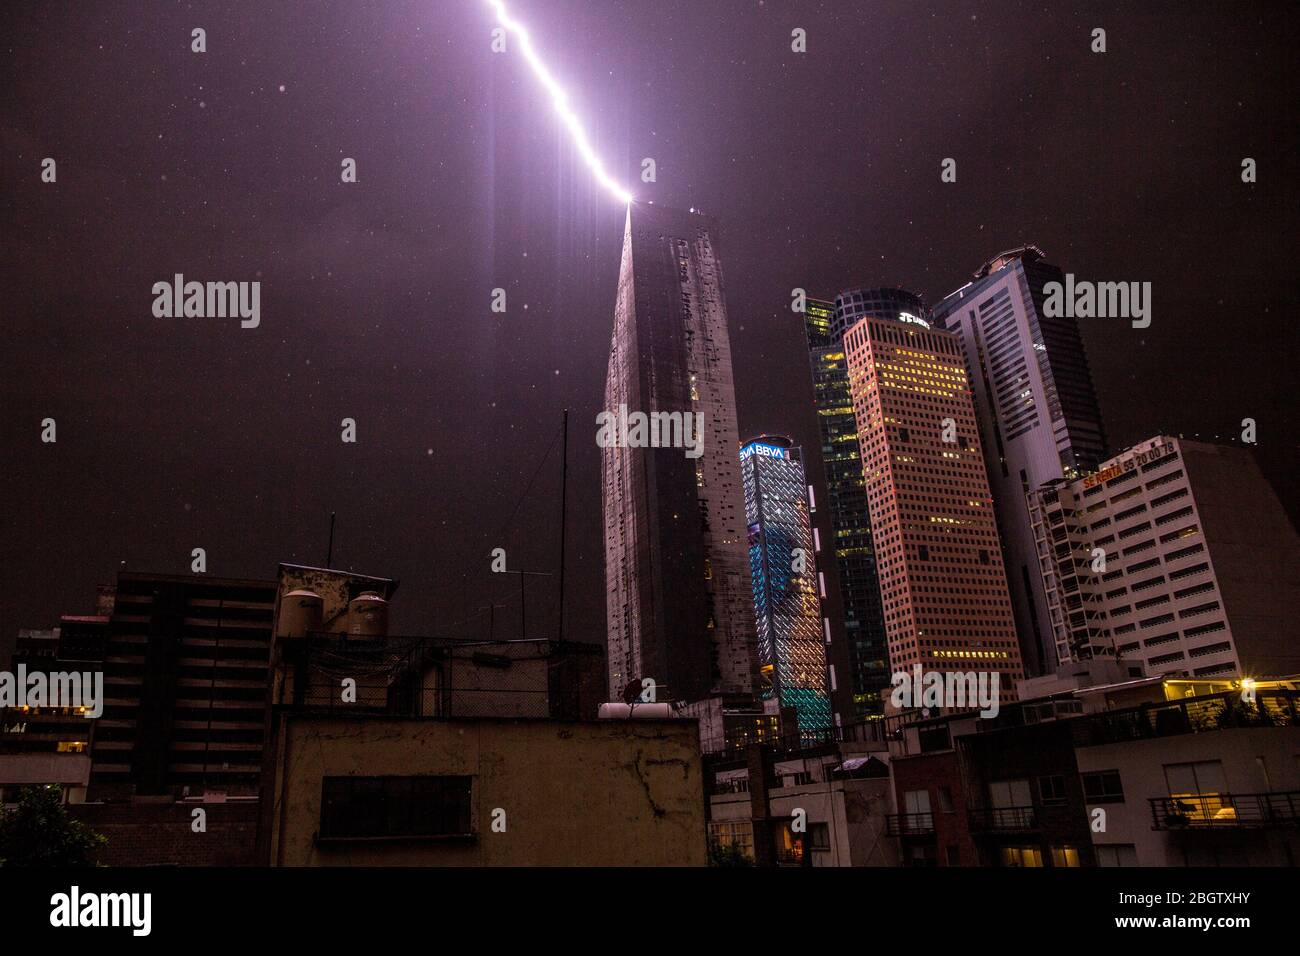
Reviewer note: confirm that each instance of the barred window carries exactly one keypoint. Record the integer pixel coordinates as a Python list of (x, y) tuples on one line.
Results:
[(358, 807)]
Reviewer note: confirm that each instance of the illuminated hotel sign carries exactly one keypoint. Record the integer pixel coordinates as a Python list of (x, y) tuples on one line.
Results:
[(1126, 465), (914, 319), (763, 451)]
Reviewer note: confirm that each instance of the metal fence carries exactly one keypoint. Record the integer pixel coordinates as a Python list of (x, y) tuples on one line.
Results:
[(792, 743)]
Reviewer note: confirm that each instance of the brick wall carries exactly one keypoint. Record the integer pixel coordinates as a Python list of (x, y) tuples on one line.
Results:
[(144, 834), (930, 772)]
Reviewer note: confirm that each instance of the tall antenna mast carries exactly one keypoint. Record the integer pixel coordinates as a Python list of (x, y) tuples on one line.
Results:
[(564, 489)]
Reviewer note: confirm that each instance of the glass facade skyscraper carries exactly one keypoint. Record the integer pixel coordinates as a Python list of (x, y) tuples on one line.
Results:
[(679, 609), (787, 586), (856, 572)]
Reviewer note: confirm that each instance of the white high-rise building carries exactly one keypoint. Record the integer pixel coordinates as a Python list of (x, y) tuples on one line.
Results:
[(1037, 412), (1176, 555)]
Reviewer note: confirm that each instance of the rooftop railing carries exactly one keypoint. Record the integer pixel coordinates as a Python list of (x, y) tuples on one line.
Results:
[(422, 677), (1274, 708)]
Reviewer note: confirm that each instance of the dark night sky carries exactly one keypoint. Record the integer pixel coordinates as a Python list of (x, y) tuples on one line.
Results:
[(823, 168)]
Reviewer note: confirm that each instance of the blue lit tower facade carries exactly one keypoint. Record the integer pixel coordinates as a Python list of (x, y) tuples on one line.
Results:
[(787, 609)]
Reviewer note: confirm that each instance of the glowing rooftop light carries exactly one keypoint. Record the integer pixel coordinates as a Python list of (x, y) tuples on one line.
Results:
[(560, 99)]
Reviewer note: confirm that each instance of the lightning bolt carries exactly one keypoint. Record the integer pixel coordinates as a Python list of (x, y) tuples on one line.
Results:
[(560, 100)]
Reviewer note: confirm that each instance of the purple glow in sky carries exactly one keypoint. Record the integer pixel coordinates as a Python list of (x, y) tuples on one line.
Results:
[(560, 100), (823, 168)]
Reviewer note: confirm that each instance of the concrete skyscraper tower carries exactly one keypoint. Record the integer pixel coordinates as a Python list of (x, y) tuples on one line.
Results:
[(678, 591), (941, 577), (1037, 409)]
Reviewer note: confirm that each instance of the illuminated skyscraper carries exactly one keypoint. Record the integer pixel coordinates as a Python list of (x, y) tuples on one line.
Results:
[(787, 582), (941, 578), (854, 574), (1038, 413), (680, 609)]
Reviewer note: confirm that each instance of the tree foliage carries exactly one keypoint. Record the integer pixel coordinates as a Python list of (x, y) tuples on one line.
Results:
[(41, 833), (729, 854)]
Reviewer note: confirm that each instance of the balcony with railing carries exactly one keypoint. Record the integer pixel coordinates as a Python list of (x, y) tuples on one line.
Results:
[(1028, 818), (1005, 819), (1225, 811), (909, 824)]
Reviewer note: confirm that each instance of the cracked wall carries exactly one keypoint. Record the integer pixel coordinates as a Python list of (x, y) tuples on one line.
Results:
[(576, 793)]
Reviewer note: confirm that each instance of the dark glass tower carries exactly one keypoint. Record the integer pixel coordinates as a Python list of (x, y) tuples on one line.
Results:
[(1037, 410), (679, 606), (855, 558), (782, 564)]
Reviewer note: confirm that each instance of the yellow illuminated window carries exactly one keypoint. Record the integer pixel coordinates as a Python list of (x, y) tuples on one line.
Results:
[(1022, 856), (1065, 856)]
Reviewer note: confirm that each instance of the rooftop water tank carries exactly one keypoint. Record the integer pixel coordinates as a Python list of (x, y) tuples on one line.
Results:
[(301, 612), (368, 615)]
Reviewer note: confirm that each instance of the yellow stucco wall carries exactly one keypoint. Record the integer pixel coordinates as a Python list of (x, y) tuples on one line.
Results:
[(621, 793)]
